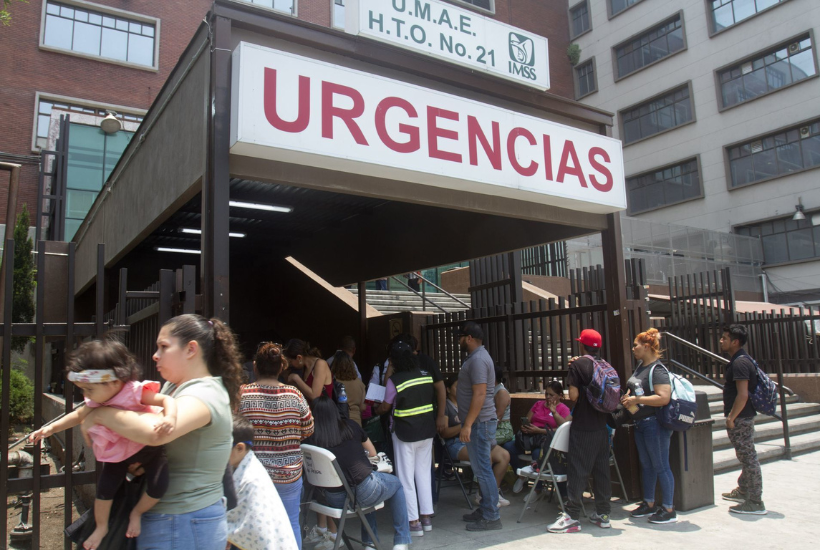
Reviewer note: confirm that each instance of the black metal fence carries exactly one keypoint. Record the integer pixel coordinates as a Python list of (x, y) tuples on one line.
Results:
[(548, 259)]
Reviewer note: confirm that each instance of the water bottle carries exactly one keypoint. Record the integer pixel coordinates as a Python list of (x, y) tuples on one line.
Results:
[(637, 391), (342, 395)]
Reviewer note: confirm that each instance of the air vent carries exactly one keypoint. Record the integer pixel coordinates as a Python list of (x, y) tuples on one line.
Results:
[(746, 68), (794, 48), (757, 146), (805, 132)]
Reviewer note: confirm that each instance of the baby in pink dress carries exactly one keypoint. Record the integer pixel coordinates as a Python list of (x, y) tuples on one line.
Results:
[(106, 372)]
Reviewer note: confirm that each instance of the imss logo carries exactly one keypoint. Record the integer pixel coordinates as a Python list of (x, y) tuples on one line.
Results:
[(522, 56)]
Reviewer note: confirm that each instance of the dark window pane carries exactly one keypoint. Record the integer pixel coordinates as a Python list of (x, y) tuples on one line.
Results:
[(816, 231), (632, 131), (789, 159), (743, 9), (653, 45), (802, 65), (801, 245), (778, 75), (742, 172), (811, 151), (765, 164), (723, 17), (774, 249), (732, 92)]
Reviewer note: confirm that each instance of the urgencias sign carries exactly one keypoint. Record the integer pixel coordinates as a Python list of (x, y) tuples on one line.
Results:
[(298, 110), (455, 35)]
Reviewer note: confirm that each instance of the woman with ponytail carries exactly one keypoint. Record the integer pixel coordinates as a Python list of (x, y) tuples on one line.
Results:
[(201, 363), (643, 400)]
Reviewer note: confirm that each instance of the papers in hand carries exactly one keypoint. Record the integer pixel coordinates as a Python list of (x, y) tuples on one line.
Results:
[(375, 393)]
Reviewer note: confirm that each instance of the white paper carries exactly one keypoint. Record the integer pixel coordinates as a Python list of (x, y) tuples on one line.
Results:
[(375, 393)]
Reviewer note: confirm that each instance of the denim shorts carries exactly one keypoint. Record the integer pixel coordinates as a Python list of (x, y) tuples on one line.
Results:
[(205, 529), (454, 446)]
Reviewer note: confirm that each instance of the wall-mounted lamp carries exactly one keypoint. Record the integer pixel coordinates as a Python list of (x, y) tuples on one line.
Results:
[(111, 124), (798, 215)]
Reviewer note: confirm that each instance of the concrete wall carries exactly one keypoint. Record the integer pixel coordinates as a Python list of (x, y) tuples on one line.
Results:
[(807, 386), (721, 209)]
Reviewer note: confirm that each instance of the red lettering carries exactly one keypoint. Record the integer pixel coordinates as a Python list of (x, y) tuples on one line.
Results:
[(270, 93), (434, 133), (547, 157), (414, 143), (475, 133), (329, 89), (603, 170), (515, 133), (574, 170)]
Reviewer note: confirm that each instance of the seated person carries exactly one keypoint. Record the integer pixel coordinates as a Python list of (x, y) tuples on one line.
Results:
[(458, 450)]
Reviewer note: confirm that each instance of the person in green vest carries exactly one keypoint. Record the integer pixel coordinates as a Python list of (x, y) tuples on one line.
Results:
[(411, 395)]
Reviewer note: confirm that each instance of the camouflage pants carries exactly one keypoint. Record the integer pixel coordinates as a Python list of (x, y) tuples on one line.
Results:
[(742, 437)]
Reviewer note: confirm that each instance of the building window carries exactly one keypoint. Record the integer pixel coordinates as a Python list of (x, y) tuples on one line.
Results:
[(585, 77), (70, 27), (617, 6), (285, 6), (780, 154), (726, 13), (663, 187), (649, 47), (786, 240), (657, 115), (338, 14), (579, 20), (777, 68), (483, 4), (46, 106)]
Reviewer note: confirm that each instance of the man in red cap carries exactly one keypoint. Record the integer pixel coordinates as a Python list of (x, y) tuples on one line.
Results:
[(588, 444)]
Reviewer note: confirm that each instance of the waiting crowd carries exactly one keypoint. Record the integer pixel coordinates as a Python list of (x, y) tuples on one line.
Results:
[(212, 413)]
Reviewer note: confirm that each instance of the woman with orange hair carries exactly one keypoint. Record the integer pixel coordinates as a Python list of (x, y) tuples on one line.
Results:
[(643, 399)]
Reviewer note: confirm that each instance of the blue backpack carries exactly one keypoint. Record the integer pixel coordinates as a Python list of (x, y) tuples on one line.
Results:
[(764, 396), (679, 414), (604, 390)]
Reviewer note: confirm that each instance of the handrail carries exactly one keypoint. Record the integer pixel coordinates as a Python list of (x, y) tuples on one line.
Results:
[(434, 285), (423, 298), (693, 372), (713, 356)]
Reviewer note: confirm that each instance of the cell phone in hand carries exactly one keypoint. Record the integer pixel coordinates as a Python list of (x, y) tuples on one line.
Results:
[(525, 421)]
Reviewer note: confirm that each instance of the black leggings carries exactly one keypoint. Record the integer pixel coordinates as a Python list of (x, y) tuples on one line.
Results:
[(153, 461)]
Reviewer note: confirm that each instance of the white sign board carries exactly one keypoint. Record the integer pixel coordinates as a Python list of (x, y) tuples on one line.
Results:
[(298, 110), (456, 35)]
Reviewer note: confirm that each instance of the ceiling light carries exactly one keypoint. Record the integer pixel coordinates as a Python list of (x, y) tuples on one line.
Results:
[(199, 232), (178, 250), (798, 215), (266, 207)]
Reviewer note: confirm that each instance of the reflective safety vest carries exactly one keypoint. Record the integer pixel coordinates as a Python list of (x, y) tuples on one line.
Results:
[(414, 417)]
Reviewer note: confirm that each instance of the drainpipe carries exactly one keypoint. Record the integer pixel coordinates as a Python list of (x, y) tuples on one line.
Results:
[(765, 281)]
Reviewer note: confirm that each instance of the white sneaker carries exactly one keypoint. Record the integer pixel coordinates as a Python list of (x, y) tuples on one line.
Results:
[(401, 547), (329, 542), (316, 534), (519, 485), (564, 524)]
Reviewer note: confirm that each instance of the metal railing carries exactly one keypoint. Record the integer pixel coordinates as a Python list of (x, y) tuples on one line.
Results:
[(422, 295), (434, 285)]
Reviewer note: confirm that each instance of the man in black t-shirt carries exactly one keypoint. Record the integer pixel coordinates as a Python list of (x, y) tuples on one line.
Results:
[(588, 445), (741, 381)]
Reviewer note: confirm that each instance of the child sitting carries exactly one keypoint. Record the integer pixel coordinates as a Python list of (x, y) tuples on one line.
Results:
[(107, 373), (259, 521)]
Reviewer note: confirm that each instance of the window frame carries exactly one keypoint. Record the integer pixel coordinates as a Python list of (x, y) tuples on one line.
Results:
[(294, 13), (99, 8), (667, 91), (700, 195), (611, 15), (569, 19), (468, 5), (758, 54), (710, 23), (808, 214), (40, 96), (727, 165), (333, 16), (616, 77), (577, 81)]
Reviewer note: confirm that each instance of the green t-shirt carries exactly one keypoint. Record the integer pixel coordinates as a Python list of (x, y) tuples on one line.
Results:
[(197, 460)]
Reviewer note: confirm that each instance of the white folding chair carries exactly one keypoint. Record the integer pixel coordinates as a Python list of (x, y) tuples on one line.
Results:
[(323, 470), (559, 443)]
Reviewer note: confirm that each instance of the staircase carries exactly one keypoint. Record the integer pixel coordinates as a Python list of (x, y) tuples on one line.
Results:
[(392, 301), (804, 427)]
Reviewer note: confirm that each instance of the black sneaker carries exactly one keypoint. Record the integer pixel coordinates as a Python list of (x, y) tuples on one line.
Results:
[(485, 525), (475, 515), (661, 515), (643, 510)]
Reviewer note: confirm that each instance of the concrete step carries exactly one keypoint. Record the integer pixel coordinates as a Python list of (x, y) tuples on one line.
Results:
[(716, 407), (794, 410), (725, 460), (771, 431)]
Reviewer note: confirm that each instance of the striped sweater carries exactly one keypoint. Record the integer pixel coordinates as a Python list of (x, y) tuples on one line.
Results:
[(282, 420)]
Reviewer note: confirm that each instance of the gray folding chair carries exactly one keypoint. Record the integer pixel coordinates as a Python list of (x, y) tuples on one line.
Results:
[(323, 470), (456, 465)]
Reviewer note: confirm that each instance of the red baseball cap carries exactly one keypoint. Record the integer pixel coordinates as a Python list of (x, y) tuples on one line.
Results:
[(590, 337)]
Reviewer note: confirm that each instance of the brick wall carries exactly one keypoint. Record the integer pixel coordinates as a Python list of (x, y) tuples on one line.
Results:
[(27, 69)]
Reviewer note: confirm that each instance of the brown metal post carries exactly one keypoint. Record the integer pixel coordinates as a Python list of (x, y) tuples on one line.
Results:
[(618, 322), (11, 219), (216, 183), (787, 450), (5, 395), (362, 347)]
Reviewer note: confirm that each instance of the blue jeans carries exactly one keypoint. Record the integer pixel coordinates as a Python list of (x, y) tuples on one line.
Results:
[(378, 487), (653, 449), (482, 437), (205, 529), (291, 496), (381, 284)]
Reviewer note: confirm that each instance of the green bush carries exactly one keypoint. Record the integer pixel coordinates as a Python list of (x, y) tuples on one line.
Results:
[(22, 397)]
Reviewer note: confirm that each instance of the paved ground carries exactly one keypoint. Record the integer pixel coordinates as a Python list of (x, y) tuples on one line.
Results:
[(790, 493)]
